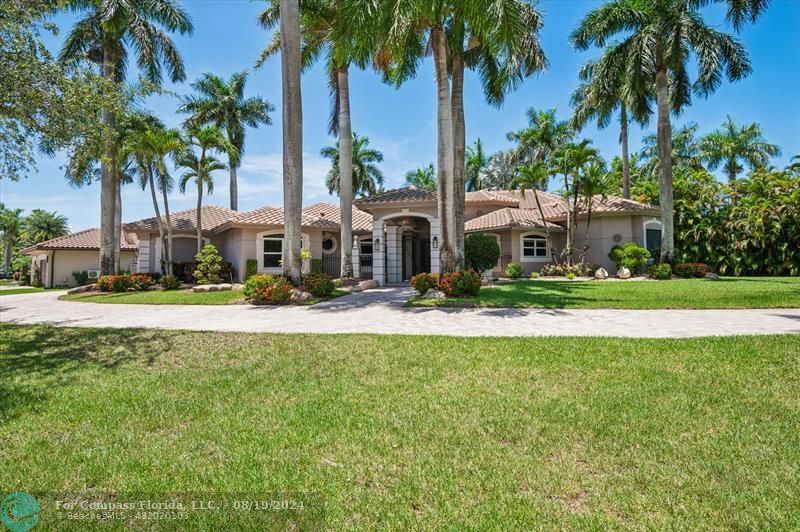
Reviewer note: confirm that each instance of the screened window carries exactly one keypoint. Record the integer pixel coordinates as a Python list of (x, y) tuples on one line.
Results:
[(534, 246), (273, 251)]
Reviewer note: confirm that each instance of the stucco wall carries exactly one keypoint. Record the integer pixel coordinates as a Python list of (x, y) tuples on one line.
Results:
[(66, 262)]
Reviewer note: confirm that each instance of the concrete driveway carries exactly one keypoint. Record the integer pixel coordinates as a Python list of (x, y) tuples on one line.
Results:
[(381, 311)]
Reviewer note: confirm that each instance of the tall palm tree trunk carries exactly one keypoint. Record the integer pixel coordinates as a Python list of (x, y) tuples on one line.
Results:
[(459, 149), (546, 227), (664, 135), (234, 190), (9, 238), (169, 230), (626, 162), (444, 151), (108, 178), (292, 139), (199, 216), (117, 223), (158, 218), (345, 172)]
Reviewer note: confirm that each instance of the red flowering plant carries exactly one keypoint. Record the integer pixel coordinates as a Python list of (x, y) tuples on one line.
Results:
[(458, 284), (422, 282), (267, 289)]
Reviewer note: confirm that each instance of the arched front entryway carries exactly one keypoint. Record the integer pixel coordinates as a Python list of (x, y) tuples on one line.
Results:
[(404, 244)]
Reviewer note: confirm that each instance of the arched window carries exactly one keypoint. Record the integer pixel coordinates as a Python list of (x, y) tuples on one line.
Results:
[(328, 245), (534, 248), (652, 235)]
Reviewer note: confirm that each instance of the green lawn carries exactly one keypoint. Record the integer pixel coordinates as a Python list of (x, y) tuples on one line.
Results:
[(414, 432), (24, 290), (741, 292), (177, 297)]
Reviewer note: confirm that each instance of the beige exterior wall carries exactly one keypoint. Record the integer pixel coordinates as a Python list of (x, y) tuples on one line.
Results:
[(65, 262)]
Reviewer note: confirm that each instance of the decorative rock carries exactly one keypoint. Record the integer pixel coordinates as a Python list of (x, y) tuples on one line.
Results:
[(213, 287), (82, 289), (712, 276), (299, 296), (432, 293), (202, 288), (237, 286), (224, 287), (369, 284), (601, 273), (624, 273)]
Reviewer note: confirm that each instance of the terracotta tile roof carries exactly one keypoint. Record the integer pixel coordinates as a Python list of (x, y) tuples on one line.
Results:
[(213, 217), (617, 204), (509, 217), (399, 195), (489, 196), (362, 221), (88, 239), (552, 205)]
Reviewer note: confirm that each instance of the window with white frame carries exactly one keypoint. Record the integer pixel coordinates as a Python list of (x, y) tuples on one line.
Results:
[(534, 248), (272, 251), (652, 236)]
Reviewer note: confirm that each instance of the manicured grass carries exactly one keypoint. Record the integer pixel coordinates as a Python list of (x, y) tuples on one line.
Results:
[(400, 432), (177, 297), (741, 292), (24, 290)]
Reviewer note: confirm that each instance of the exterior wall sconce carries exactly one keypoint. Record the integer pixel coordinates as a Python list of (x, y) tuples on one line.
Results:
[(377, 242), (435, 242)]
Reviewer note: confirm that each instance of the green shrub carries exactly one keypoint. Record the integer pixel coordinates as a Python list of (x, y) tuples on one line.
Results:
[(513, 270), (170, 282), (208, 266), (457, 284), (691, 269), (316, 266), (661, 271), (319, 284), (250, 268), (534, 275), (141, 281), (267, 289), (422, 282), (481, 252), (125, 283), (82, 278), (570, 275), (561, 270), (630, 256)]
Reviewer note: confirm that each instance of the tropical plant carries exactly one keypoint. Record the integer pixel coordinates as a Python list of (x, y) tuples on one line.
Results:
[(685, 150), (223, 104), (208, 266), (481, 252), (424, 178), (200, 168), (11, 223), (595, 182), (501, 171), (729, 145), (543, 135), (366, 175), (41, 225), (475, 167), (536, 176), (267, 289), (514, 270), (100, 37), (458, 284), (81, 277), (319, 284), (603, 91), (661, 271), (422, 282), (629, 255), (660, 38), (169, 282)]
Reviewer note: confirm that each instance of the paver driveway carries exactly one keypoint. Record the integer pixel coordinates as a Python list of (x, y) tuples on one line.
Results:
[(382, 312)]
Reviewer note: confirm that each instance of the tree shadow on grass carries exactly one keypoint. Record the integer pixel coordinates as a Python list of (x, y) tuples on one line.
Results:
[(37, 360)]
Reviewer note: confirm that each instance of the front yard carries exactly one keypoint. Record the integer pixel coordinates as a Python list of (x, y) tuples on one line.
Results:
[(727, 292), (415, 432), (177, 297)]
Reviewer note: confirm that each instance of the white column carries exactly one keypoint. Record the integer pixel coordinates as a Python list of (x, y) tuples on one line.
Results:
[(393, 255), (356, 258), (143, 259), (158, 250), (435, 252), (377, 251)]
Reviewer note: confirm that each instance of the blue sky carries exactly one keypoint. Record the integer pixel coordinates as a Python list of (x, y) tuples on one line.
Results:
[(401, 123)]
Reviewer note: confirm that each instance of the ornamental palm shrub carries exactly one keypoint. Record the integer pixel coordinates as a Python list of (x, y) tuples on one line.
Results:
[(629, 255), (481, 252), (208, 266)]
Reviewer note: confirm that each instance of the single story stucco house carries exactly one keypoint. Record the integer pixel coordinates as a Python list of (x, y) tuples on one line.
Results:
[(402, 224)]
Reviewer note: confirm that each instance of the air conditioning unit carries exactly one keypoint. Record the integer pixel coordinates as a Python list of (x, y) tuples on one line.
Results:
[(93, 274)]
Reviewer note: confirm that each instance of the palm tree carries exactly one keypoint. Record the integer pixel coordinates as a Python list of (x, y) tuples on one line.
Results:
[(11, 223), (343, 31), (595, 180), (604, 90), (223, 104), (501, 170), (41, 225), (660, 37), (536, 177), (685, 151), (475, 166), (366, 176), (543, 136), (150, 147), (200, 168), (794, 165), (730, 144), (101, 37), (424, 178)]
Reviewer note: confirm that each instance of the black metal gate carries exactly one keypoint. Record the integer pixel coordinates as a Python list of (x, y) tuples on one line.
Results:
[(366, 266), (332, 265)]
